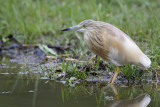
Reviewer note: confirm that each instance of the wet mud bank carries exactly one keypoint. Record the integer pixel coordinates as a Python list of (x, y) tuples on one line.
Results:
[(51, 62)]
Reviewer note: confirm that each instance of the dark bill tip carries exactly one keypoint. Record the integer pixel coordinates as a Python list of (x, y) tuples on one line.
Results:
[(66, 29)]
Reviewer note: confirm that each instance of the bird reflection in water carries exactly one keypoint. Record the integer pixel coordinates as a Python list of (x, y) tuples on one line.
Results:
[(140, 101)]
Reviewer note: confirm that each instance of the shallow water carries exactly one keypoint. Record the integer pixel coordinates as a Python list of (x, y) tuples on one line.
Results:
[(28, 90)]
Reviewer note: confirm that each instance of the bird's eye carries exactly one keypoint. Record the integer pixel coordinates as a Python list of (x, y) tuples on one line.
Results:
[(83, 26)]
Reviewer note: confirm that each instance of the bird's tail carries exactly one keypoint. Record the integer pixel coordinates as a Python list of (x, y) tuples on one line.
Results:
[(145, 61)]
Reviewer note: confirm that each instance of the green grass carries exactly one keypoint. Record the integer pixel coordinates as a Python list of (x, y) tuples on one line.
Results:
[(40, 21)]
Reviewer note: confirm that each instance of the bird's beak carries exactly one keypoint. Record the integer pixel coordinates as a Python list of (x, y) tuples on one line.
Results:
[(75, 28)]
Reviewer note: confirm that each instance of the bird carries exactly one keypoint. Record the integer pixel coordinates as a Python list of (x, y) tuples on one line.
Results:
[(111, 44)]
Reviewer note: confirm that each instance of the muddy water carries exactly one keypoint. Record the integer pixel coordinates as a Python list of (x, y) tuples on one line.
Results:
[(18, 89)]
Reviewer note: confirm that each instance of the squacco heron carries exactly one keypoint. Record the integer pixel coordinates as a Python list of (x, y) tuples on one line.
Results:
[(111, 44)]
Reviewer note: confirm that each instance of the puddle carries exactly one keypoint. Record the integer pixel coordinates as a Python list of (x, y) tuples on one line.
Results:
[(30, 90)]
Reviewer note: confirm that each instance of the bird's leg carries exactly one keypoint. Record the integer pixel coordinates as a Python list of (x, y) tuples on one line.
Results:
[(113, 78)]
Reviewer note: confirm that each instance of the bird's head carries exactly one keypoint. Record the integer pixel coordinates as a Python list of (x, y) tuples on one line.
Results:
[(83, 26)]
